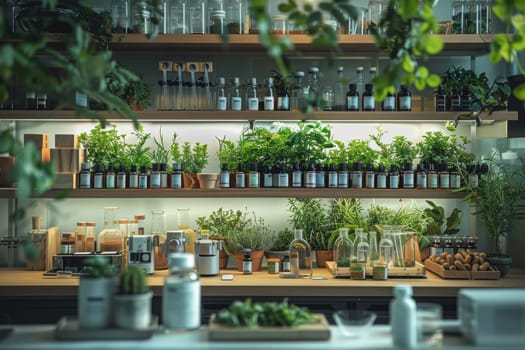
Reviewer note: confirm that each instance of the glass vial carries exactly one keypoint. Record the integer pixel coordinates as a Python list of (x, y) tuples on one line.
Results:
[(269, 95), (252, 96), (404, 99), (85, 175), (235, 95), (247, 261), (181, 301), (300, 256), (176, 176), (221, 100)]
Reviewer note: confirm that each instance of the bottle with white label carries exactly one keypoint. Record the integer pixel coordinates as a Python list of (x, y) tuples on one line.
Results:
[(85, 175), (408, 176), (155, 176), (381, 177), (269, 95), (133, 177), (247, 267), (404, 99), (221, 100), (143, 177), (110, 177), (224, 177), (332, 176), (310, 176), (176, 176), (403, 317), (389, 103), (283, 179), (235, 95), (181, 297), (252, 96)]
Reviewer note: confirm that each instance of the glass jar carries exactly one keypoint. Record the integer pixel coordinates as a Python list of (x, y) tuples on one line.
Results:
[(67, 243), (197, 20), (376, 10), (463, 17), (217, 22), (158, 231), (142, 17), (181, 301), (342, 252), (235, 16), (279, 25), (90, 236), (183, 223), (483, 9), (178, 17), (110, 238), (80, 245)]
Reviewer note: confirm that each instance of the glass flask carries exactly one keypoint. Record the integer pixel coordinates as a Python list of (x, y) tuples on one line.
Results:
[(111, 238), (297, 91), (158, 230), (142, 17), (342, 252), (312, 90), (183, 223), (373, 252), (120, 16), (235, 16), (386, 252), (300, 256), (197, 19), (178, 17), (394, 234)]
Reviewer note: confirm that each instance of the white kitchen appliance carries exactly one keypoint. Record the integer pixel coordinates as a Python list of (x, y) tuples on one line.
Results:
[(207, 256), (140, 252)]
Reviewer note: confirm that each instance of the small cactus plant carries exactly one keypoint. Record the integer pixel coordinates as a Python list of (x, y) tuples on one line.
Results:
[(133, 281), (97, 267)]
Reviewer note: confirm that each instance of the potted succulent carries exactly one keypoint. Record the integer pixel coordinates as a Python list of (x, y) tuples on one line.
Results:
[(96, 287), (132, 302), (255, 234), (193, 159), (496, 200), (220, 224)]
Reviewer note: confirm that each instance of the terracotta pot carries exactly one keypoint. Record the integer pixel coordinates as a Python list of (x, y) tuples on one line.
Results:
[(322, 256), (257, 258), (207, 180), (5, 164), (190, 180)]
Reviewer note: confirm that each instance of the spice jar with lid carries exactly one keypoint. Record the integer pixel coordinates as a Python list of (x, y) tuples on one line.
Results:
[(273, 265), (67, 243)]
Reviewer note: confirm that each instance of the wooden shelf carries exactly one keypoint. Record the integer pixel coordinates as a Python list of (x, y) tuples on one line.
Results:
[(249, 193), (242, 116)]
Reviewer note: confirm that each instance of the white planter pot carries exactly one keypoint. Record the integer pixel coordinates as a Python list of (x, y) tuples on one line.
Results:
[(94, 301), (132, 310)]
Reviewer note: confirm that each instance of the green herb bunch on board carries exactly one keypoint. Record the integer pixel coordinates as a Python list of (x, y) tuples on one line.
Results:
[(133, 281), (265, 314)]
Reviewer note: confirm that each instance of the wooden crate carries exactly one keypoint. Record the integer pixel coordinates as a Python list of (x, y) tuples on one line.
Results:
[(66, 141), (67, 160), (46, 241), (485, 275), (447, 274), (39, 140), (65, 181), (415, 271)]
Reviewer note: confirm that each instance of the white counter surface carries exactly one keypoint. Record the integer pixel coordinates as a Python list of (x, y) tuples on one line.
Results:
[(43, 337)]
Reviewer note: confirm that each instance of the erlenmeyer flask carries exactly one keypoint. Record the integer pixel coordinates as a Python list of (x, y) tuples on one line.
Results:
[(110, 238), (158, 231)]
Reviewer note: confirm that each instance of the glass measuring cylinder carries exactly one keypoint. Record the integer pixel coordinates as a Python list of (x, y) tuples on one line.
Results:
[(183, 223), (158, 230)]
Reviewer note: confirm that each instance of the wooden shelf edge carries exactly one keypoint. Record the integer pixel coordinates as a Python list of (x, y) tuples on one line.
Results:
[(249, 193), (243, 116)]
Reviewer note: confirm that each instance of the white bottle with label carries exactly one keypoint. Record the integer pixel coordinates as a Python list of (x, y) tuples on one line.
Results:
[(403, 317), (181, 297)]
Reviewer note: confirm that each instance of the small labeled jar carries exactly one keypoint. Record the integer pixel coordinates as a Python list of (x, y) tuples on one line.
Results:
[(380, 271), (273, 265), (279, 25), (247, 261), (358, 271), (67, 243)]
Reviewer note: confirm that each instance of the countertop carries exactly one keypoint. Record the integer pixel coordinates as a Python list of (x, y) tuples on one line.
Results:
[(22, 283), (43, 337)]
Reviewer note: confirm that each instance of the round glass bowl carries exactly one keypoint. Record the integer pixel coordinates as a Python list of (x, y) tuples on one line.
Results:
[(354, 323)]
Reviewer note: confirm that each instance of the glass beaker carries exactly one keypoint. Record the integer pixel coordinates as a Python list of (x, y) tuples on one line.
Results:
[(197, 17), (120, 16), (373, 252), (158, 230), (110, 238), (386, 252), (183, 223), (235, 16), (178, 16), (394, 234)]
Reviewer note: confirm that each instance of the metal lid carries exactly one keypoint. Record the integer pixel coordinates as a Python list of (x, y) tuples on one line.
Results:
[(313, 69), (182, 261), (299, 73)]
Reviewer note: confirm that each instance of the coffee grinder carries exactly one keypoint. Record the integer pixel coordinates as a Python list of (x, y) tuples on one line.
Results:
[(140, 252), (207, 261)]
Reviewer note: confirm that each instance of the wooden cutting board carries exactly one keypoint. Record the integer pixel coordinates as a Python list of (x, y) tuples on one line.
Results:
[(314, 331)]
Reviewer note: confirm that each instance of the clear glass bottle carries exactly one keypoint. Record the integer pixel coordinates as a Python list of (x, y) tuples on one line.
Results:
[(178, 17), (312, 90), (235, 16), (283, 97), (361, 246), (235, 96), (357, 175), (181, 301), (120, 16), (247, 264), (221, 100), (360, 82), (142, 17), (158, 231), (184, 224), (269, 95), (297, 91), (340, 94), (327, 99), (111, 238), (352, 98), (300, 256), (197, 19), (252, 96), (342, 252), (373, 253), (386, 252)]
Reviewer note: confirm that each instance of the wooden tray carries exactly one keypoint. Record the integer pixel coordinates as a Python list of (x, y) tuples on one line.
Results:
[(314, 331), (416, 271), (485, 275), (447, 274), (67, 329)]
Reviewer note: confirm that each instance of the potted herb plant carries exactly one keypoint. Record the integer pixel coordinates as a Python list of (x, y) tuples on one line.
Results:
[(281, 246), (193, 159), (132, 302), (496, 200), (255, 234), (103, 146), (97, 284), (137, 153)]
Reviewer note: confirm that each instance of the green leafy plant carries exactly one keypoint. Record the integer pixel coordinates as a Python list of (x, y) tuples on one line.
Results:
[(97, 267), (137, 153), (283, 240), (221, 222), (132, 280), (439, 223), (192, 157), (161, 153), (399, 152), (308, 214), (490, 98), (264, 314), (104, 146), (254, 233), (138, 94), (436, 147)]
